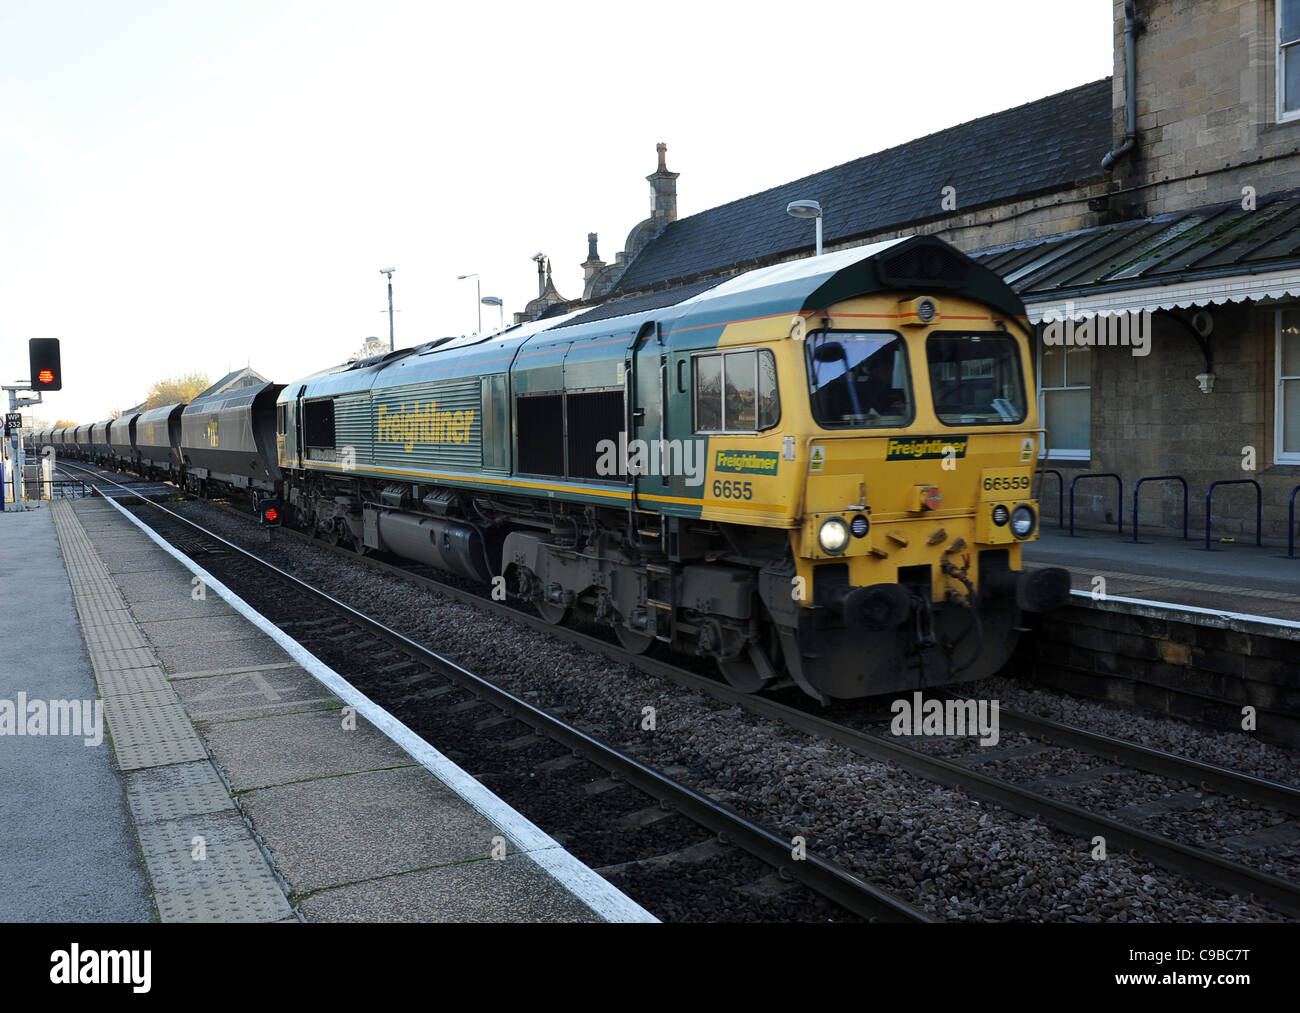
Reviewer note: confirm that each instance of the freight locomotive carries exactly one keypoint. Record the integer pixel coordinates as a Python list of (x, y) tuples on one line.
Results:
[(818, 473)]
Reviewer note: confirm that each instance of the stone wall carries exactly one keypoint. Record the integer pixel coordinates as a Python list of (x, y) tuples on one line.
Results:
[(1149, 417), (1206, 105)]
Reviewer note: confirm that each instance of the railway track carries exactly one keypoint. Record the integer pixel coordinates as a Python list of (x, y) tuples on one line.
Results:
[(628, 812), (1207, 867)]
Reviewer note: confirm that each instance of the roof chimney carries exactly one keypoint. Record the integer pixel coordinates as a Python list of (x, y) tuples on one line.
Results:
[(593, 263), (663, 189)]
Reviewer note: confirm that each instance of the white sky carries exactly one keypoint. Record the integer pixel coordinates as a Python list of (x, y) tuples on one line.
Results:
[(196, 186)]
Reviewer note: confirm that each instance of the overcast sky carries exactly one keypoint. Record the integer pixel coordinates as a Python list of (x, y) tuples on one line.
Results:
[(196, 186)]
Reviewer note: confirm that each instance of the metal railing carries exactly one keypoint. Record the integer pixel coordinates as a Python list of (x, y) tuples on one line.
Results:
[(1119, 495), (1159, 478), (1259, 506)]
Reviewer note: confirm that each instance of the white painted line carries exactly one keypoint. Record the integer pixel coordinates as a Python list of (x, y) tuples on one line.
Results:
[(601, 896), (1241, 616)]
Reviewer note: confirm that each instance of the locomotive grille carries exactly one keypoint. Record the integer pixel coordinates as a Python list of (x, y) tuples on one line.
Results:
[(540, 419), (593, 416), (922, 265)]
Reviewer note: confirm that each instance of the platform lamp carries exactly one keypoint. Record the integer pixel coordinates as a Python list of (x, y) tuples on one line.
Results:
[(491, 300), (807, 209), (478, 289)]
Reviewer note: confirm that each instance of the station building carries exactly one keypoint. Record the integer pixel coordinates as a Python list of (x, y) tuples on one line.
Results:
[(1162, 203)]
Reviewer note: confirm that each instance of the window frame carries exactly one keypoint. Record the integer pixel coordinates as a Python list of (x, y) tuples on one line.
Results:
[(722, 352), (1279, 55), (1280, 456), (997, 335), (1051, 453), (912, 399)]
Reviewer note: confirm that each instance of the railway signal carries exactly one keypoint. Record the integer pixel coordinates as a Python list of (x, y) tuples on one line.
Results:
[(46, 370), (268, 512)]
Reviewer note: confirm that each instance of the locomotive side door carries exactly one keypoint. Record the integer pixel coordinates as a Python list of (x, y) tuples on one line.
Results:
[(647, 431), (299, 450)]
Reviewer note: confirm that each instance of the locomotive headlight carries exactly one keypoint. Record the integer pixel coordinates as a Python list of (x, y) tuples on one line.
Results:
[(833, 535), (1023, 521), (1001, 515)]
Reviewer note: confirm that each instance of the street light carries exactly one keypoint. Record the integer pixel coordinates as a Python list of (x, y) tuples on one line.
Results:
[(491, 300), (478, 288), (807, 209), (389, 271)]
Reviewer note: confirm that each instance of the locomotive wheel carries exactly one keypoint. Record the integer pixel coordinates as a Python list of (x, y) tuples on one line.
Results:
[(748, 674), (741, 674), (633, 642), (555, 615)]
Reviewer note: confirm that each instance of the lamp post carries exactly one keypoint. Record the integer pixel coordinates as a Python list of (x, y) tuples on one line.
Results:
[(807, 209), (389, 271), (478, 289), (491, 300)]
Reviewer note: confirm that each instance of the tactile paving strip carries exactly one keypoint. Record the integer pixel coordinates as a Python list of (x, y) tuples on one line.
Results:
[(150, 729), (174, 793), (179, 789), (132, 680)]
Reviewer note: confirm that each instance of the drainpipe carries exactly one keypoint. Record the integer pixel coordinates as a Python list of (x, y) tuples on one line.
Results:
[(1130, 87)]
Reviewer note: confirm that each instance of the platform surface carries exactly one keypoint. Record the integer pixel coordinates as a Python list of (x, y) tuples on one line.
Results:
[(68, 848), (235, 777), (1235, 577)]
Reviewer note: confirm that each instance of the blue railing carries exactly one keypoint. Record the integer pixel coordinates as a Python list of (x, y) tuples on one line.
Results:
[(1259, 506), (1159, 478), (1119, 496)]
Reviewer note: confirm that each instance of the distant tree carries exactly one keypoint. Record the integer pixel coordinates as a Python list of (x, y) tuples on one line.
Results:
[(64, 424), (372, 346), (178, 388)]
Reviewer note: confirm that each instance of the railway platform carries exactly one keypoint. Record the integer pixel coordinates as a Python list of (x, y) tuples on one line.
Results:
[(1238, 577), (251, 789), (1211, 636)]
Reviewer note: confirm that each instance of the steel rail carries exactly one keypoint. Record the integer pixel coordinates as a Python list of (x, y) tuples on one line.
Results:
[(824, 877), (1199, 864)]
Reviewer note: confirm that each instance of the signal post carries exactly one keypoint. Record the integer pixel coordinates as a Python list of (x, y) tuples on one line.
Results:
[(46, 374)]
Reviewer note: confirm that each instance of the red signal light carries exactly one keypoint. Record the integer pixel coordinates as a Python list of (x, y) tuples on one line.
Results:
[(272, 514), (45, 377)]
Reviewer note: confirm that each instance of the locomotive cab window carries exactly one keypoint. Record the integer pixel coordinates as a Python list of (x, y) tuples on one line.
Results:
[(859, 379), (735, 392), (318, 423), (975, 379)]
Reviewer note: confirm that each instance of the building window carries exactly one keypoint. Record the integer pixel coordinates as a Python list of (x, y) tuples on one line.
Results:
[(1065, 399), (1286, 402), (1288, 59)]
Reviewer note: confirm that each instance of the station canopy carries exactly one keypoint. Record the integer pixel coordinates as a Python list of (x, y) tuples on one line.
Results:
[(1217, 254)]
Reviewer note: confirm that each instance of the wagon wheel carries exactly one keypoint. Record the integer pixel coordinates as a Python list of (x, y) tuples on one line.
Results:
[(748, 674), (633, 642), (552, 614)]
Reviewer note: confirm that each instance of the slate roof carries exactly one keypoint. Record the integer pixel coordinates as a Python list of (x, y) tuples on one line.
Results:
[(245, 377), (1215, 241), (1034, 148)]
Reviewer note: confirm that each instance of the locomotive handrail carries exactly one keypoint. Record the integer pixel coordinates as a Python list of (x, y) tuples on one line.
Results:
[(1119, 495), (1290, 525), (1158, 478), (1060, 495), (1259, 506)]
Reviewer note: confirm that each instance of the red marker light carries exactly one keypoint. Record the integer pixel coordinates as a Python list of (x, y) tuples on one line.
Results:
[(933, 497), (272, 514), (46, 376)]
